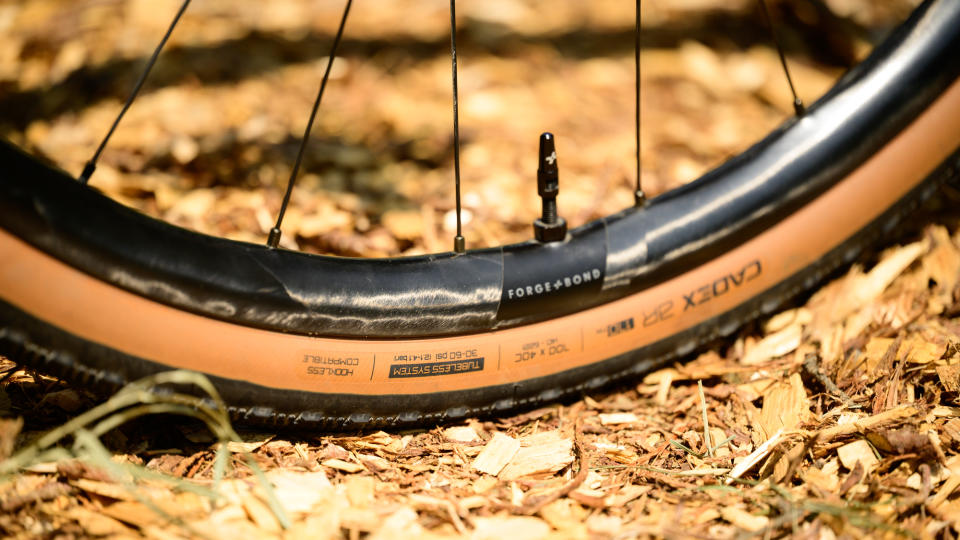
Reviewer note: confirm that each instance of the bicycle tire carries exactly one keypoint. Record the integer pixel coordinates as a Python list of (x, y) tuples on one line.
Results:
[(98, 293)]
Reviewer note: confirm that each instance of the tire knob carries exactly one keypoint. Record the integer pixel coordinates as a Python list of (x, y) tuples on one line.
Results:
[(549, 227)]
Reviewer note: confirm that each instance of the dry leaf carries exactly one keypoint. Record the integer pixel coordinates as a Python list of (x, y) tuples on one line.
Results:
[(901, 441)]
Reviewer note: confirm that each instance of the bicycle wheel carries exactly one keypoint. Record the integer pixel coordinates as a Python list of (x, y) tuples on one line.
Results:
[(95, 292)]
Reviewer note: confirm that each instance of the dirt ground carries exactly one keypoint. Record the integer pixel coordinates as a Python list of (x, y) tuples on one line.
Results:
[(836, 418)]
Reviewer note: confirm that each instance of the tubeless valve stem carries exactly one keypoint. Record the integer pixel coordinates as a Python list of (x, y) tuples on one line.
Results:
[(549, 227)]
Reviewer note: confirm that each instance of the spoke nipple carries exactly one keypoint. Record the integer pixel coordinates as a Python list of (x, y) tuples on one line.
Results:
[(549, 227), (459, 244), (87, 172), (639, 198), (798, 107), (273, 240)]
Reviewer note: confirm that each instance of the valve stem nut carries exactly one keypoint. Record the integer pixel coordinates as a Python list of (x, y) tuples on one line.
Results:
[(549, 227), (550, 232)]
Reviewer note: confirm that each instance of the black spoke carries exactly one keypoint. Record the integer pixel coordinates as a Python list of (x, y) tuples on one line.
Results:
[(797, 102), (92, 164), (639, 197), (273, 240), (459, 244), (9, 373)]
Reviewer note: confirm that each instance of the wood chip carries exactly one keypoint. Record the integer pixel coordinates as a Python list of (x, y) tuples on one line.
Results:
[(543, 437), (498, 528), (858, 451), (342, 465), (361, 490), (566, 516), (484, 484), (250, 443), (774, 346), (133, 512), (786, 318), (745, 520), (785, 405), (300, 491), (542, 458), (949, 377), (952, 430), (374, 463), (942, 264), (663, 386), (616, 452), (461, 434), (496, 454), (9, 430), (949, 486), (755, 457), (612, 419), (261, 514), (400, 525), (109, 490), (874, 352), (404, 224), (628, 493), (826, 478), (97, 523), (882, 275), (917, 350)]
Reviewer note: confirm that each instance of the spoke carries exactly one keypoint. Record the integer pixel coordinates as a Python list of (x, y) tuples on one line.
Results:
[(639, 198), (92, 164), (9, 373), (273, 240), (797, 102), (459, 244)]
